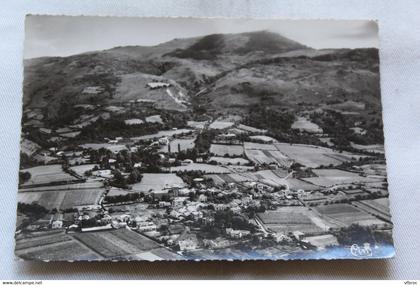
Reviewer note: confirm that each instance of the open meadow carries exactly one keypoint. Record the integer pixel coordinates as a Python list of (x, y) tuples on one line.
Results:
[(344, 215), (47, 174), (157, 182), (290, 219)]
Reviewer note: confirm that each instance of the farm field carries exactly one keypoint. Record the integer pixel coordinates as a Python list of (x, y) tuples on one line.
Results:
[(62, 199), (112, 147), (42, 240), (137, 210), (157, 182), (374, 169), (63, 251), (265, 154), (47, 174), (270, 177), (314, 156), (28, 147), (264, 139), (375, 148), (116, 243), (343, 215), (184, 144), (117, 192), (303, 124), (239, 168), (72, 186), (197, 124), (133, 121), (296, 184), (219, 125), (229, 161), (289, 219), (223, 149), (206, 168), (81, 169), (250, 129), (161, 134), (377, 207), (154, 119), (330, 177), (52, 245), (70, 135)]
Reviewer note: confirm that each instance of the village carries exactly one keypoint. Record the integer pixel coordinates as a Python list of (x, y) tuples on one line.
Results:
[(170, 188)]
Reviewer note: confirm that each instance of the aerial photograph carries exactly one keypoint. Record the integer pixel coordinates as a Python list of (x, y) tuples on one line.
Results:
[(201, 139)]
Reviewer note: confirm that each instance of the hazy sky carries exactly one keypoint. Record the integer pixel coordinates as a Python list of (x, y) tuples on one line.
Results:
[(67, 35)]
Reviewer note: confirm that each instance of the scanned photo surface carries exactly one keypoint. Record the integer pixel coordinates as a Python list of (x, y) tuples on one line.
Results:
[(201, 139)]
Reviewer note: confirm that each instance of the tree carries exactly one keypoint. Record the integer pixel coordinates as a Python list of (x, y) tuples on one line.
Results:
[(118, 180), (24, 176), (134, 177)]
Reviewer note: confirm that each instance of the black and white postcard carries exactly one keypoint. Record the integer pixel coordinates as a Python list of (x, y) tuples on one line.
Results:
[(201, 139)]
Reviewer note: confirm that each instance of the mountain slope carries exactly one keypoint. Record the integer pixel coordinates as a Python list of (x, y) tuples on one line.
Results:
[(228, 71)]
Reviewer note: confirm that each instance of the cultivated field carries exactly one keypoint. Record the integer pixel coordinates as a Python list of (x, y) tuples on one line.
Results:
[(251, 129), (206, 168), (270, 177), (229, 161), (343, 215), (264, 139), (154, 119), (296, 184), (108, 146), (28, 147), (265, 154), (303, 124), (224, 149), (72, 186), (161, 134), (117, 192), (62, 199), (330, 177), (184, 144), (197, 124), (52, 245), (81, 169), (116, 243), (289, 219), (47, 174), (219, 125), (375, 148), (314, 156), (377, 207), (65, 251), (157, 182)]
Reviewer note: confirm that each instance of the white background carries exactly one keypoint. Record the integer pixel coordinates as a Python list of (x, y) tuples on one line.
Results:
[(399, 24)]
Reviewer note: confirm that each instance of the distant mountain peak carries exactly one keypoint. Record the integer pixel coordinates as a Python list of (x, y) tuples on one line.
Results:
[(210, 46)]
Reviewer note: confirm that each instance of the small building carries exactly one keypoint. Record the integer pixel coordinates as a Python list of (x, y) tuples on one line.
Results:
[(202, 198), (164, 141), (57, 224), (146, 227), (221, 207), (163, 204), (216, 243), (186, 162), (157, 85), (179, 201), (322, 241), (279, 237), (188, 242), (237, 233)]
